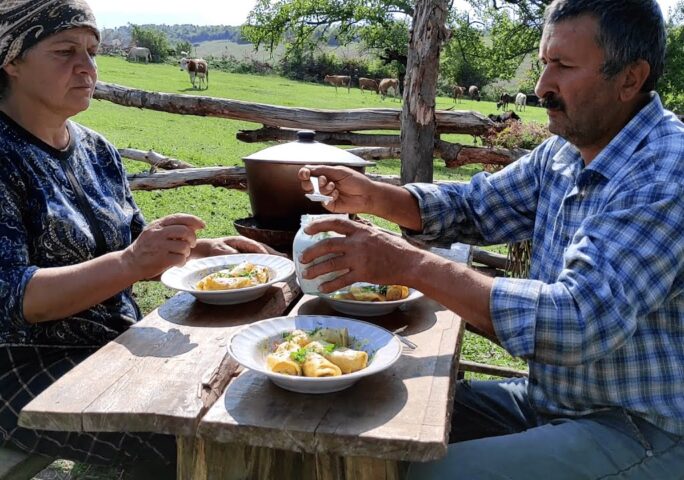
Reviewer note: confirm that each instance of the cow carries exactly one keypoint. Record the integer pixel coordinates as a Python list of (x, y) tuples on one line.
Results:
[(458, 93), (532, 99), (504, 100), (197, 69), (386, 84), (368, 84), (338, 81), (474, 93), (504, 117), (136, 53), (520, 101)]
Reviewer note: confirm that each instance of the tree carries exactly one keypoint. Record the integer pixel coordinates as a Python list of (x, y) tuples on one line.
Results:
[(153, 39), (382, 26), (671, 85), (418, 124)]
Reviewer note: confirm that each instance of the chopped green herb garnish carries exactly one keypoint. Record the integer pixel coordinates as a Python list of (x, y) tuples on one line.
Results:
[(314, 331), (330, 348), (300, 355)]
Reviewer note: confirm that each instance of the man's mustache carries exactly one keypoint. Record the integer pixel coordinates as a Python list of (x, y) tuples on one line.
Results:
[(552, 102)]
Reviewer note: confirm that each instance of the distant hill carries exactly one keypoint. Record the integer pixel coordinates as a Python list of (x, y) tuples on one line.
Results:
[(194, 34)]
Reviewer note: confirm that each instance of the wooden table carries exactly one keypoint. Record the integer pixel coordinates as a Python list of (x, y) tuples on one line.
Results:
[(169, 375)]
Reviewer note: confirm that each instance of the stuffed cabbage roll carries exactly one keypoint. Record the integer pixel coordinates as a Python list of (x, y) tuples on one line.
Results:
[(347, 359), (300, 337), (338, 336), (218, 282), (281, 361), (396, 292), (366, 293), (317, 365)]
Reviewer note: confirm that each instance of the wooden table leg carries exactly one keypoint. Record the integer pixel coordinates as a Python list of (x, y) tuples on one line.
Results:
[(199, 459)]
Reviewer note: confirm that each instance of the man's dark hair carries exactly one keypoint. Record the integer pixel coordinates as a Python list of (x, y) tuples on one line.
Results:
[(629, 30)]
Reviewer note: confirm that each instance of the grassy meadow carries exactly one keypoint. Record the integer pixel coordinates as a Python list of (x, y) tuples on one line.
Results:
[(211, 142)]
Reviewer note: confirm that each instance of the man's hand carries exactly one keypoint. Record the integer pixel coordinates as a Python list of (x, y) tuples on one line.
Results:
[(352, 191), (164, 243), (368, 254)]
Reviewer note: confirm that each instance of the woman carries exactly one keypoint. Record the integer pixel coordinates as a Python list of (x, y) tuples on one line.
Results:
[(72, 239)]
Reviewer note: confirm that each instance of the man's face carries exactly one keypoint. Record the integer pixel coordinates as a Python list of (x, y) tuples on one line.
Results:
[(579, 99), (59, 72)]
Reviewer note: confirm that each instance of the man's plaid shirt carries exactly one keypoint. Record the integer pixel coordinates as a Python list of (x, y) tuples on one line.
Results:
[(601, 318)]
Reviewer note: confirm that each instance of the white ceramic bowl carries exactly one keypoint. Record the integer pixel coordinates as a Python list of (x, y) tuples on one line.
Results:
[(369, 309), (185, 278), (250, 346)]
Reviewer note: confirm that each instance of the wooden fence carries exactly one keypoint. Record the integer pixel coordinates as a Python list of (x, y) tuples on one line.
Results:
[(337, 127)]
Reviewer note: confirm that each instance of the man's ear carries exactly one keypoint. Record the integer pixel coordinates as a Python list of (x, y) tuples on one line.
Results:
[(634, 77)]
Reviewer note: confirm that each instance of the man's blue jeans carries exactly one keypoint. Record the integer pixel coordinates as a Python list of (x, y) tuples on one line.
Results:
[(498, 435)]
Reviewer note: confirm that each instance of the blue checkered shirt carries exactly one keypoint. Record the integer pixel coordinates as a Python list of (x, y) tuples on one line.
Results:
[(601, 318)]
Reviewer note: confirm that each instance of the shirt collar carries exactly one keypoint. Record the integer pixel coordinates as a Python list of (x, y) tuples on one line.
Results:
[(610, 160)]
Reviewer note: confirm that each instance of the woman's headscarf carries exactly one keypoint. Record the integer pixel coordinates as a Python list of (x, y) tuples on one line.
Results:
[(24, 23)]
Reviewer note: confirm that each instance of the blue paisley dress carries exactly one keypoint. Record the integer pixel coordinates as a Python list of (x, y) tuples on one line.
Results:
[(58, 208)]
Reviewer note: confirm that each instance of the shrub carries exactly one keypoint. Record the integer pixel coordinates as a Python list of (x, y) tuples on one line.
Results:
[(518, 135)]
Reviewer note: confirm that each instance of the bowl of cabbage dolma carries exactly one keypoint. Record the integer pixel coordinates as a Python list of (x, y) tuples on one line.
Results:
[(229, 279), (314, 353), (369, 300)]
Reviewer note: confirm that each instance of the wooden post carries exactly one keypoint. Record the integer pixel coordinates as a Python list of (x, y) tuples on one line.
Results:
[(418, 125)]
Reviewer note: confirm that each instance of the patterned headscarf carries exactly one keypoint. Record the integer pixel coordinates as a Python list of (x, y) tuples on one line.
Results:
[(24, 23)]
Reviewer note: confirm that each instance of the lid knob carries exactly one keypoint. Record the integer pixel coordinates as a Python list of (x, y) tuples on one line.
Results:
[(306, 136)]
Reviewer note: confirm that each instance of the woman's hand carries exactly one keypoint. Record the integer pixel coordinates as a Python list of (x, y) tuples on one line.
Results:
[(352, 191), (164, 243), (228, 245)]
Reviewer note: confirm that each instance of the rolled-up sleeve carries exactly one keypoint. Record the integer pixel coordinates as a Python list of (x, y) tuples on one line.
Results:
[(490, 209)]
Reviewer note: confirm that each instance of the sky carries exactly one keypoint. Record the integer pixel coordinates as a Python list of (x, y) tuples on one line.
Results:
[(114, 13)]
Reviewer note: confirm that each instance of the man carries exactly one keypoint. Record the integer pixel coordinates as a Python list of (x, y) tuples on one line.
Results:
[(601, 318)]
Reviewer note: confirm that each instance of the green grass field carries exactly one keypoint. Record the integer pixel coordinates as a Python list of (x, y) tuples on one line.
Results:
[(211, 142)]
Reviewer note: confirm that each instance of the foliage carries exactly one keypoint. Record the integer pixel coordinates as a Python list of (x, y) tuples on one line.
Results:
[(671, 85), (183, 48), (311, 67), (380, 24), (153, 39), (179, 33), (526, 135)]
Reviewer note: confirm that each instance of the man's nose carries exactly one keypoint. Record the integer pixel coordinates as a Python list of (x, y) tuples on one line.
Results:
[(546, 84)]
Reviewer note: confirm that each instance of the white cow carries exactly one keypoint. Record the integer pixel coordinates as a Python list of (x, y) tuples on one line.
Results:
[(137, 53), (197, 69), (520, 101)]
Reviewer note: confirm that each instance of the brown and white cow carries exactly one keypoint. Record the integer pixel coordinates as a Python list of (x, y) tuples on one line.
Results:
[(458, 93), (386, 84), (338, 81), (368, 84), (197, 69)]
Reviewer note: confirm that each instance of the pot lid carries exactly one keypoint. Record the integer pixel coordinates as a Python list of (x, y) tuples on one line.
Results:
[(307, 151)]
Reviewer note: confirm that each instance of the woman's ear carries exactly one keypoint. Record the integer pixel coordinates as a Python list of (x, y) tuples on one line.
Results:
[(635, 75), (11, 69)]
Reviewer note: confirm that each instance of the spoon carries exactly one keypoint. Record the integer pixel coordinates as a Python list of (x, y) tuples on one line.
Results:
[(403, 340), (317, 196)]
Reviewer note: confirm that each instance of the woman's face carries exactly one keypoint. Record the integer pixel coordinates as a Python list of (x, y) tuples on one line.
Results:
[(59, 73)]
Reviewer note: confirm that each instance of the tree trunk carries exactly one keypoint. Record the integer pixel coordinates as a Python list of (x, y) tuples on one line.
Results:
[(418, 124)]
